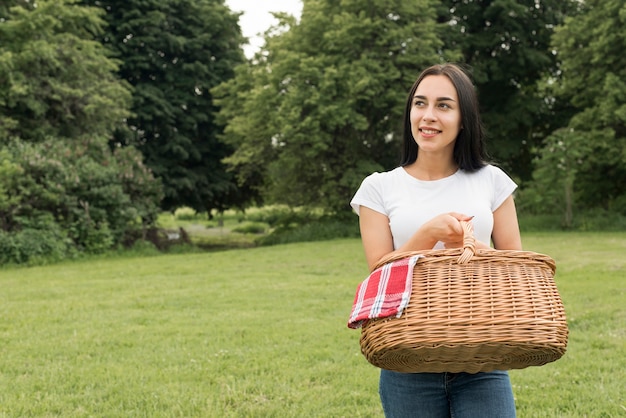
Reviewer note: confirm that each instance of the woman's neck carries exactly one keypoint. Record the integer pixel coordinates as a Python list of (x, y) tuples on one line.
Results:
[(431, 169)]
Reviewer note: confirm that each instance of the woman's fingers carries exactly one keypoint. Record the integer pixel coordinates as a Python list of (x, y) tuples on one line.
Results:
[(460, 216)]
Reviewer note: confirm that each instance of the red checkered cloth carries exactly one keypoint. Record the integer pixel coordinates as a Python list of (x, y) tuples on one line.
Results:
[(385, 292)]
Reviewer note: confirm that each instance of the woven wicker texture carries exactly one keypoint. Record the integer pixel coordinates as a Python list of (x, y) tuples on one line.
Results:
[(472, 311)]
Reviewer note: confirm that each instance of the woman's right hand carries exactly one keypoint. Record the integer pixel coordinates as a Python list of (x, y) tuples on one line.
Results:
[(446, 228)]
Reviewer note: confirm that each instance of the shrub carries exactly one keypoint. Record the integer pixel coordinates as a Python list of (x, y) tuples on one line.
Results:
[(320, 230), (280, 216), (83, 191), (599, 220), (142, 248), (251, 228), (36, 244), (186, 214)]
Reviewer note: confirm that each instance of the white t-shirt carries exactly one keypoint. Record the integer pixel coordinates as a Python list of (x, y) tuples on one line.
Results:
[(409, 202)]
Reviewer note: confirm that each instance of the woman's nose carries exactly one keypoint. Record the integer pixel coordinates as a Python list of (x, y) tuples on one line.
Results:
[(429, 114)]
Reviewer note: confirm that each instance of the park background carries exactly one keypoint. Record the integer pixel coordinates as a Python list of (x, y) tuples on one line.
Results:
[(144, 158)]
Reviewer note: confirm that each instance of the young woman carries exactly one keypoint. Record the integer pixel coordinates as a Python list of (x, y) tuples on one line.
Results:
[(443, 178)]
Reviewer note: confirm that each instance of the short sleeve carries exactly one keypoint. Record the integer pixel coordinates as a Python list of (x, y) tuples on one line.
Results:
[(504, 186), (369, 194)]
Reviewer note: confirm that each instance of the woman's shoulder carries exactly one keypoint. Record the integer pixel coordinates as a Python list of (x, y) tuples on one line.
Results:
[(490, 175), (488, 170), (384, 176), (373, 190)]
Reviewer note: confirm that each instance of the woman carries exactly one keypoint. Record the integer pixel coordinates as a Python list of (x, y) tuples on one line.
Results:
[(443, 179)]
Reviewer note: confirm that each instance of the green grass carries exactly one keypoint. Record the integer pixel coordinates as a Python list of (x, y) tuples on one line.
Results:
[(261, 332), (590, 380)]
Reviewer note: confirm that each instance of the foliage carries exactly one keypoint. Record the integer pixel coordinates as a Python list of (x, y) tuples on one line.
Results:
[(6, 5), (40, 241), (589, 165), (555, 171), (320, 106), (64, 190), (186, 214), (594, 69), (506, 44), (55, 78), (250, 228), (262, 333), (314, 230), (596, 220), (78, 193), (281, 215), (173, 52)]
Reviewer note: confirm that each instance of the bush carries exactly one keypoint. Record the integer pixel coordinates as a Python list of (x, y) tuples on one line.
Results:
[(251, 228), (81, 190), (619, 204), (545, 222), (590, 220), (98, 238), (34, 246), (186, 214), (599, 220), (280, 216), (143, 247), (320, 230)]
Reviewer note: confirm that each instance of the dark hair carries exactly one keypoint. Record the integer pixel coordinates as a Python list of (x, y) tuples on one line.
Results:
[(469, 149)]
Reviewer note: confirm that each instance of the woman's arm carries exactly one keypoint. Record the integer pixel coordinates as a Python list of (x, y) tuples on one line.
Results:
[(375, 235), (506, 235), (378, 240)]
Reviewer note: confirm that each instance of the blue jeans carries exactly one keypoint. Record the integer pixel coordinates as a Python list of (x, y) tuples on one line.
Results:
[(446, 395)]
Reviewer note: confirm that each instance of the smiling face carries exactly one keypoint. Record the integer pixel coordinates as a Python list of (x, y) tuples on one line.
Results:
[(435, 115)]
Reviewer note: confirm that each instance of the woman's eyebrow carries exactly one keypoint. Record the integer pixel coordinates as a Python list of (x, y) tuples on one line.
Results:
[(439, 99)]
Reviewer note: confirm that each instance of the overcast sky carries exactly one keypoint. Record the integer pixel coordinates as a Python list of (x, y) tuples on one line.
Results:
[(256, 17)]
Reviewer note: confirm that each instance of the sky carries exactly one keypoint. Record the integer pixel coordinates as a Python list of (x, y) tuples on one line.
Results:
[(256, 18)]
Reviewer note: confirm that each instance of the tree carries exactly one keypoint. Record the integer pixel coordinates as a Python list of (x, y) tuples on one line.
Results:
[(173, 52), (506, 43), (63, 189), (593, 69), (321, 104), (555, 172), (55, 78)]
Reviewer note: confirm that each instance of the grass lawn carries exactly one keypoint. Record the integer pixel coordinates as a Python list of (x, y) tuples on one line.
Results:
[(261, 332)]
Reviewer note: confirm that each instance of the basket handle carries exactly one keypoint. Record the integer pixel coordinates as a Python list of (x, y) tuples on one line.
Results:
[(469, 243), (469, 249)]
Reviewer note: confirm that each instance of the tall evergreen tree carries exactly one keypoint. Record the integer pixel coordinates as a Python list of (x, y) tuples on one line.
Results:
[(321, 105), (506, 44), (173, 52)]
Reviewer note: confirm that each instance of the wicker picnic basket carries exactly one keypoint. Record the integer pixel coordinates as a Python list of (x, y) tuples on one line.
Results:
[(472, 311)]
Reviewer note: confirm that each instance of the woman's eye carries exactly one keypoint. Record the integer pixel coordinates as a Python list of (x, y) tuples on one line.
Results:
[(444, 105), (419, 103)]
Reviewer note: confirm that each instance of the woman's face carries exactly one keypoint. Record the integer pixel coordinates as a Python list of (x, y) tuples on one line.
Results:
[(435, 115)]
